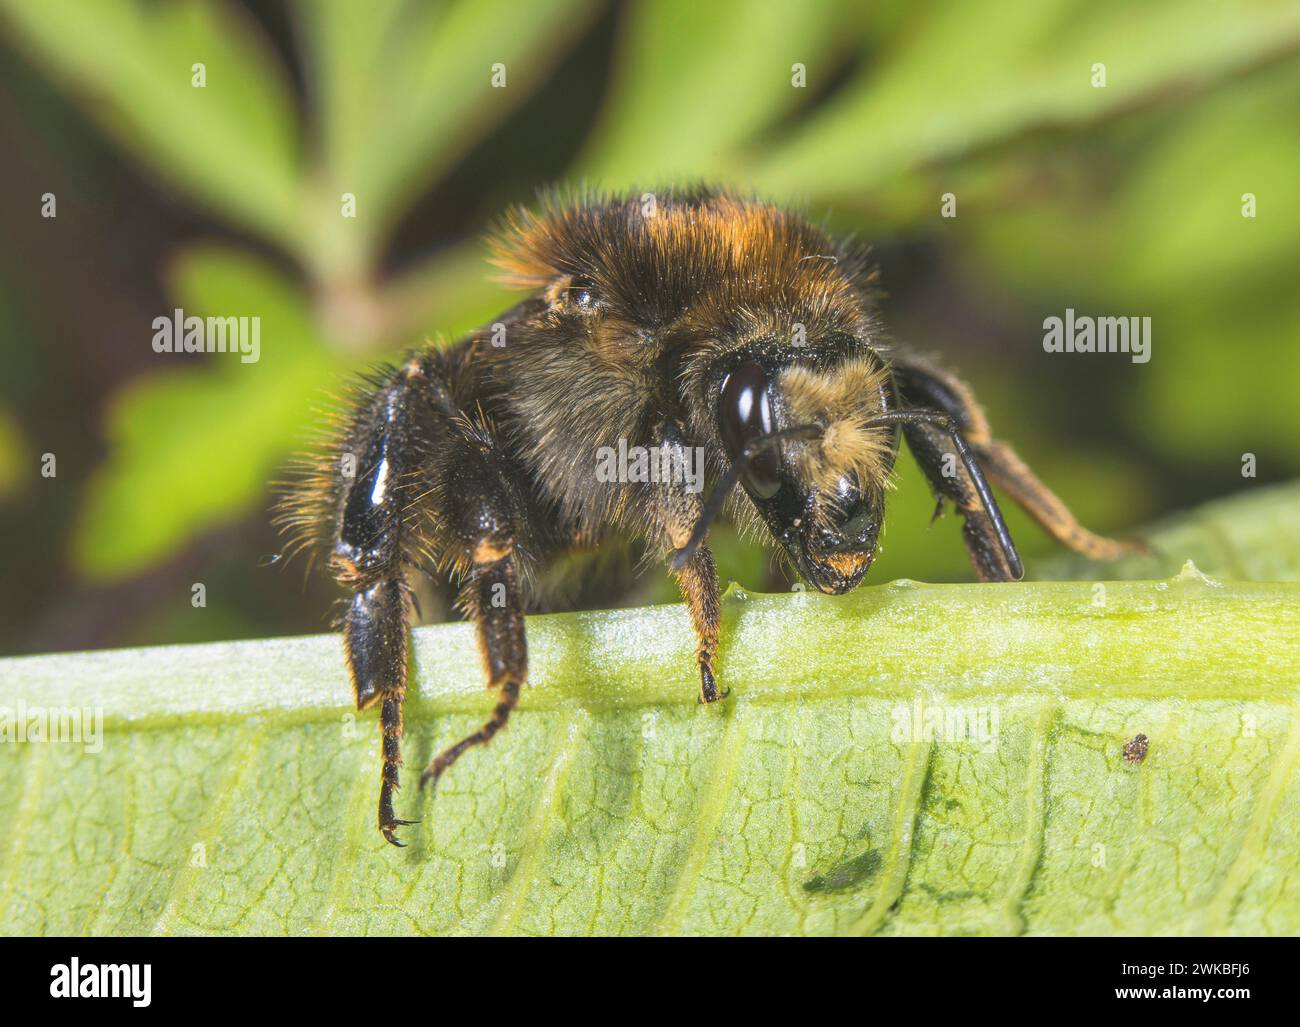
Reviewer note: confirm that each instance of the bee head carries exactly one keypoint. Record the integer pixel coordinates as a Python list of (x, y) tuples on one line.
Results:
[(819, 482)]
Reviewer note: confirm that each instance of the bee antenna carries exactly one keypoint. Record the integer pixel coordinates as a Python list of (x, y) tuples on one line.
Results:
[(946, 423), (723, 489)]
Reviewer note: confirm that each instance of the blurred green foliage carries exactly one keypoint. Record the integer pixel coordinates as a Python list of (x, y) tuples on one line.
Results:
[(1117, 200)]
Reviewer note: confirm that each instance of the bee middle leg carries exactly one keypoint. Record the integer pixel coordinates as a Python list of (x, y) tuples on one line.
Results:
[(493, 599)]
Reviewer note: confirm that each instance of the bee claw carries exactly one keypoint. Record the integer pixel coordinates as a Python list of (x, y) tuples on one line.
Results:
[(388, 828)]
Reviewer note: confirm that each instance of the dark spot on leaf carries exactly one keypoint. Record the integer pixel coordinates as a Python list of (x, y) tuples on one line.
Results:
[(947, 896), (849, 874), (1135, 749)]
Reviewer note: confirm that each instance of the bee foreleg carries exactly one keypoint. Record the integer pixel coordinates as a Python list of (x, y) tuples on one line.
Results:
[(678, 511), (698, 581), (937, 454), (922, 384)]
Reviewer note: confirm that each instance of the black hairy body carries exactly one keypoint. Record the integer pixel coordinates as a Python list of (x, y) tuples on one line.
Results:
[(709, 330)]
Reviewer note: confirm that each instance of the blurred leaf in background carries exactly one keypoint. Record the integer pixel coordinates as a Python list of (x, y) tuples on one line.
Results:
[(1120, 199), (194, 438)]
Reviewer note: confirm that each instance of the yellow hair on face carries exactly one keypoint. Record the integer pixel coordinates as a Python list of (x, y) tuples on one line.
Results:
[(843, 398)]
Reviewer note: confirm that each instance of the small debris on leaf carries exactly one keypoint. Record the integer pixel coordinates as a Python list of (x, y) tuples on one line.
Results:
[(1135, 749)]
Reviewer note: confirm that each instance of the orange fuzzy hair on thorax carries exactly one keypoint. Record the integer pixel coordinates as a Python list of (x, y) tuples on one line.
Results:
[(656, 255)]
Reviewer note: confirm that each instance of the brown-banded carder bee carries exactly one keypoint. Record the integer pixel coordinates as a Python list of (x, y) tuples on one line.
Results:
[(700, 322)]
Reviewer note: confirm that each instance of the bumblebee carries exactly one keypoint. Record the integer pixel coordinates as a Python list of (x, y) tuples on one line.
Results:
[(705, 328)]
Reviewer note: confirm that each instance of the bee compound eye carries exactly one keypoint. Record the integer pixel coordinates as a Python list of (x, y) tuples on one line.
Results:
[(745, 414), (582, 294)]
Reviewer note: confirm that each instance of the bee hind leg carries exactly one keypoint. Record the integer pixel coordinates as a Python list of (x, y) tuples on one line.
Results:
[(390, 434), (375, 638)]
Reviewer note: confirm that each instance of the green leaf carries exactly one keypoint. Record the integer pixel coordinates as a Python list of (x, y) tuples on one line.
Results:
[(1167, 239), (1253, 537), (194, 444), (976, 74), (235, 788), (405, 89), (683, 62), (233, 143)]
